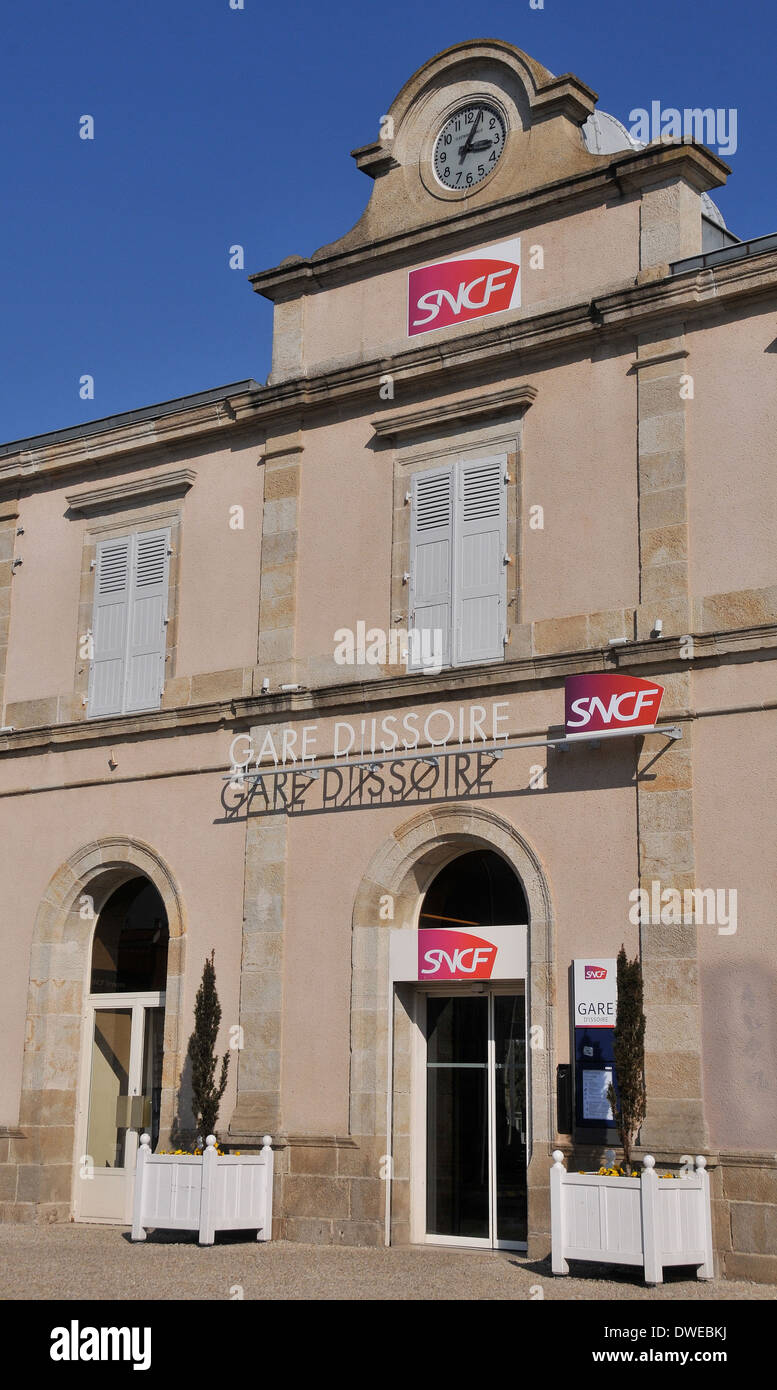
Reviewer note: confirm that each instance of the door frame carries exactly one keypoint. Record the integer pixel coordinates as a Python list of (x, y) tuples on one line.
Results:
[(418, 1231), (138, 1002)]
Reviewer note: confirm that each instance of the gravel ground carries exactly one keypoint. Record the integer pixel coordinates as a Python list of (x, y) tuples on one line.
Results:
[(100, 1262)]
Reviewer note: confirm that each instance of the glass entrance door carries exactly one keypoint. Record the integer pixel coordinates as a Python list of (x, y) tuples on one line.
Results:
[(510, 1114), (120, 1099), (476, 1119)]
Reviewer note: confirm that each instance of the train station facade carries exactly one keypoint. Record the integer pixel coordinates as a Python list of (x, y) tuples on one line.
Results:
[(287, 673)]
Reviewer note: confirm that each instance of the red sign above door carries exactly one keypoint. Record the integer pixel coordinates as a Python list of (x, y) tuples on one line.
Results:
[(454, 955)]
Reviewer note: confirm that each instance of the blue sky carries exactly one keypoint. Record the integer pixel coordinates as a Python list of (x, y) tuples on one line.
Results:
[(210, 121)]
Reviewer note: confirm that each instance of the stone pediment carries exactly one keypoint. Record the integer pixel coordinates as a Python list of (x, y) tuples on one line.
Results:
[(544, 161)]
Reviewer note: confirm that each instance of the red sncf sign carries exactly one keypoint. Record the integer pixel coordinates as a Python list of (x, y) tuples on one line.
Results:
[(603, 703), (465, 287), (454, 955)]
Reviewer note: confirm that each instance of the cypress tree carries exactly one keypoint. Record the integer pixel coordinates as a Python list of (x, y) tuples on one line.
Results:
[(629, 1106), (206, 1095)]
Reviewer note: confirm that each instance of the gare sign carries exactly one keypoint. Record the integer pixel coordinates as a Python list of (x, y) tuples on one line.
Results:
[(596, 1008), (595, 993), (464, 287)]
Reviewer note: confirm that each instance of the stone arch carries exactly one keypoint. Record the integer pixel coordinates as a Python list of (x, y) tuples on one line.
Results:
[(401, 870), (59, 979)]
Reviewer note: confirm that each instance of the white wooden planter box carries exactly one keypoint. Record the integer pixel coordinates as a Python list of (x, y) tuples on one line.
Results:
[(631, 1221), (208, 1193)]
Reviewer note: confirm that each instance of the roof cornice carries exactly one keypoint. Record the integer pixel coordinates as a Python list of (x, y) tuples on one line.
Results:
[(369, 695), (631, 308), (122, 441)]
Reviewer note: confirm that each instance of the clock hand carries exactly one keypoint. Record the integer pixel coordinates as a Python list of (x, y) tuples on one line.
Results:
[(479, 145), (468, 142)]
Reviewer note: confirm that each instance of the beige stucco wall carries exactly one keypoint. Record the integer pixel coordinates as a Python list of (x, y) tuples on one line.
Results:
[(345, 558), (735, 809), (585, 559), (584, 254), (220, 563), (43, 646), (732, 481)]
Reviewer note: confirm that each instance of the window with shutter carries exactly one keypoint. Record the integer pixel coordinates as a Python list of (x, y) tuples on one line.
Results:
[(458, 539), (109, 627), (128, 627), (148, 610), (481, 542), (431, 562)]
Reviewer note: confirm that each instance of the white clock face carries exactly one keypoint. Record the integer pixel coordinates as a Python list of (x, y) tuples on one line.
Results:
[(468, 146)]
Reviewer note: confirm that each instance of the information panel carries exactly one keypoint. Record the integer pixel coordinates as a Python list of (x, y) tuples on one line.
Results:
[(595, 1003)]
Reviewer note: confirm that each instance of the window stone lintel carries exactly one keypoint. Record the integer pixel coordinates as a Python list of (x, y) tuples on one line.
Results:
[(163, 485), (515, 399)]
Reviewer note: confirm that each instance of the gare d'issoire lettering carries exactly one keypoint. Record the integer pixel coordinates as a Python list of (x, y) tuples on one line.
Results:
[(383, 760)]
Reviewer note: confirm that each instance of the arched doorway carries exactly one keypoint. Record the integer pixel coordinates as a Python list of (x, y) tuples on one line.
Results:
[(121, 1080), (383, 1112), (472, 1094)]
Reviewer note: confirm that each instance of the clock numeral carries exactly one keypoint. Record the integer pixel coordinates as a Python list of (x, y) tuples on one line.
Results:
[(481, 170), (448, 139), (492, 123)]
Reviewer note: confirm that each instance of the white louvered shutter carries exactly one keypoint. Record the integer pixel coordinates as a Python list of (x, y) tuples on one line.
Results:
[(481, 542), (147, 628), (109, 627), (431, 562)]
